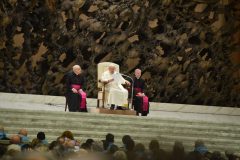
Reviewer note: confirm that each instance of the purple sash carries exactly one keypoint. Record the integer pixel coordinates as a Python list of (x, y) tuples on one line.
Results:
[(145, 103), (83, 103), (138, 89)]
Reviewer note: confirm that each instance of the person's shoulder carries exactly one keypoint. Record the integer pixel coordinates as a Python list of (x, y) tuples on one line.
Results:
[(142, 79), (68, 74)]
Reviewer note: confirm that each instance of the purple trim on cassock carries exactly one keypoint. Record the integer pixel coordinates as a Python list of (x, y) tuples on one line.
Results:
[(145, 103), (138, 89), (83, 103)]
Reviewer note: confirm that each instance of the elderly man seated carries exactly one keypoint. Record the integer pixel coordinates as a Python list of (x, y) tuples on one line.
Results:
[(117, 94), (76, 97)]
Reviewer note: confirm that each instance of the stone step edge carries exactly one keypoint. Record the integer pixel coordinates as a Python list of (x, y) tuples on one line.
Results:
[(15, 111)]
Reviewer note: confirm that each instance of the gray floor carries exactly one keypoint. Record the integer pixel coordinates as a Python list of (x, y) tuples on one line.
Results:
[(221, 118)]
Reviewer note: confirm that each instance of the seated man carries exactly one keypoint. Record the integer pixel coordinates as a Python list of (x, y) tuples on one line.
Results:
[(76, 98), (117, 95), (140, 101)]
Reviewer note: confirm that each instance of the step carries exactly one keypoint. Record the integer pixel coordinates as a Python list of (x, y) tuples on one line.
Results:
[(170, 107), (217, 136), (93, 120), (113, 117), (134, 129)]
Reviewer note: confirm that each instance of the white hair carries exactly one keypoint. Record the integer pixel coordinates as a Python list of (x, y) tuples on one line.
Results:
[(120, 155), (14, 147), (138, 70), (76, 67), (112, 65)]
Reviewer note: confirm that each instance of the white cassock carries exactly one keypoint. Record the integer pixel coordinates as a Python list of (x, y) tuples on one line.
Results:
[(116, 94)]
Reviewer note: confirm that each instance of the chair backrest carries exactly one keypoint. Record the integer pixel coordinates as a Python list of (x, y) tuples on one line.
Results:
[(102, 67)]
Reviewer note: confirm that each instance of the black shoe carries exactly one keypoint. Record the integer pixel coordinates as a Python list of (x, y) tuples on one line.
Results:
[(112, 107), (119, 108)]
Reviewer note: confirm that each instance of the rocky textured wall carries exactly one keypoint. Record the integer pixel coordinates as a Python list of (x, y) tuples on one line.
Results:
[(188, 50)]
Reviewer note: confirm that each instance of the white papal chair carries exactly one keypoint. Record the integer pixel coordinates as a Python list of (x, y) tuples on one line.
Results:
[(102, 94)]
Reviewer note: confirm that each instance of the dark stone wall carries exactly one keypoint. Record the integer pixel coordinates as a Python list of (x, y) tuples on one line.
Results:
[(188, 50)]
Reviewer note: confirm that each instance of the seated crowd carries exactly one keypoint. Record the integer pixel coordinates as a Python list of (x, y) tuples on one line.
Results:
[(66, 147)]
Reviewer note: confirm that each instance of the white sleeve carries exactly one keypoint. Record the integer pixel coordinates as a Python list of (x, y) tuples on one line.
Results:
[(122, 80)]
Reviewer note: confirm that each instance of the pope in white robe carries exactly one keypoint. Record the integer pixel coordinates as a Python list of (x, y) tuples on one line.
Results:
[(116, 93)]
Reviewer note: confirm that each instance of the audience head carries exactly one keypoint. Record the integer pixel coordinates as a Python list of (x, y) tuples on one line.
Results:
[(23, 135), (120, 155), (154, 145), (130, 145), (87, 145), (13, 150), (178, 147), (89, 141), (77, 69), (35, 142), (61, 140), (126, 139), (97, 146), (113, 148), (139, 147), (67, 134), (23, 132), (41, 136), (200, 147), (199, 143), (178, 151), (15, 139), (110, 138)]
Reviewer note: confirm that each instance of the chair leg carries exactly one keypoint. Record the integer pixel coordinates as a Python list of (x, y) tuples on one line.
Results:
[(66, 105), (103, 97), (98, 103)]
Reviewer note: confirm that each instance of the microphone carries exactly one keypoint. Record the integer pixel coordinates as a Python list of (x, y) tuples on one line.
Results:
[(126, 76)]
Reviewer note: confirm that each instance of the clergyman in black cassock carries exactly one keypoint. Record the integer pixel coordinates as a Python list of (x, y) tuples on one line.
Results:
[(140, 100), (75, 96)]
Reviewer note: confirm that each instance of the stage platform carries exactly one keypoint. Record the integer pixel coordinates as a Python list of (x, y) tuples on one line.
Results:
[(218, 127), (165, 110)]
